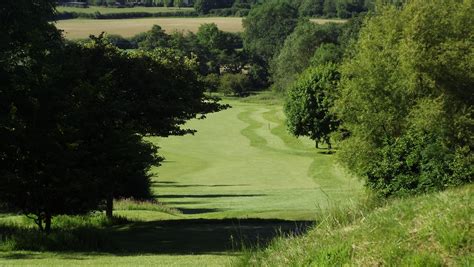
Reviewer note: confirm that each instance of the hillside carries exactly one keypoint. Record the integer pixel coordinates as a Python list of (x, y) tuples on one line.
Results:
[(429, 230)]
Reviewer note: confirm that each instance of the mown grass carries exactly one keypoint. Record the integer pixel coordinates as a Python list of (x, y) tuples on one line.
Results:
[(243, 164), (239, 180), (429, 230)]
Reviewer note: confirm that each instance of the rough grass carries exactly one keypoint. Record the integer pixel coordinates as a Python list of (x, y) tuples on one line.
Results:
[(429, 230), (82, 28)]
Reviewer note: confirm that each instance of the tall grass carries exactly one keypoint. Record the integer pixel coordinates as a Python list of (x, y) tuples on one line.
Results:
[(83, 233), (430, 230), (150, 205)]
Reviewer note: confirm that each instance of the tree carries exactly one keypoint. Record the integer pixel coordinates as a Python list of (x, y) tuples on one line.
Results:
[(327, 53), (203, 6), (234, 84), (210, 36), (38, 175), (73, 116), (298, 49), (311, 8), (406, 98), (156, 37), (267, 26), (143, 93), (329, 8), (309, 102)]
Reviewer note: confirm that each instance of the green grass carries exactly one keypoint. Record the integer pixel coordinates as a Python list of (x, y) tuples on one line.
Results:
[(242, 163), (430, 230), (109, 10), (240, 180)]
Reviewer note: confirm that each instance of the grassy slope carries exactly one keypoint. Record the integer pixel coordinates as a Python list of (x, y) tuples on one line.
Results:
[(430, 230), (241, 164), (82, 28)]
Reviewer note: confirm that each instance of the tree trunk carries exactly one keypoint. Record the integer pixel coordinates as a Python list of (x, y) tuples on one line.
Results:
[(109, 206), (39, 222), (316, 144), (329, 146), (47, 223)]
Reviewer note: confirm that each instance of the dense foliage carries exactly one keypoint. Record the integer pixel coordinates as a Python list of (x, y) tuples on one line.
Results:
[(73, 116), (267, 26), (309, 103), (406, 98), (298, 49)]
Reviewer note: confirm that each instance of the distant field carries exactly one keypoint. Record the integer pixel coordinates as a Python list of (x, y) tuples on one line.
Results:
[(108, 10), (82, 28)]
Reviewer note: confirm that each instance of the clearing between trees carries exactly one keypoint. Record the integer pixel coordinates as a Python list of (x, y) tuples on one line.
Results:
[(239, 181)]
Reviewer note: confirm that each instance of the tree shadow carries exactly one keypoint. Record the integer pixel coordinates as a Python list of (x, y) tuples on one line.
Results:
[(201, 235), (181, 237), (169, 184), (209, 196), (197, 210)]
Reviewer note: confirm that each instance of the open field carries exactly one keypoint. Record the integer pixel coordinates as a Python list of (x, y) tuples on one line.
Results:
[(82, 28), (109, 10), (240, 180)]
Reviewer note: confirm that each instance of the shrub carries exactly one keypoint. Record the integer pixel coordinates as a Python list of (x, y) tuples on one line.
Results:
[(234, 84)]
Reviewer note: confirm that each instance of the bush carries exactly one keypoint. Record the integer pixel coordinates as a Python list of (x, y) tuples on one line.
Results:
[(227, 12), (235, 84), (406, 98)]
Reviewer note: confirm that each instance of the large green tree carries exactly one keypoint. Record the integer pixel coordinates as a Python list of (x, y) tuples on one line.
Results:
[(406, 98), (38, 174), (298, 49), (309, 102), (267, 26), (73, 116)]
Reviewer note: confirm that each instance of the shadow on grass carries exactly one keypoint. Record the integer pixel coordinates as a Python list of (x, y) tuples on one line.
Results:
[(201, 235), (182, 237), (169, 184), (209, 196)]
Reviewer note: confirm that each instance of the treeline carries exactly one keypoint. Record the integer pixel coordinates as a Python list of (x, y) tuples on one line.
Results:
[(73, 116), (131, 3), (305, 8), (124, 15), (223, 63), (393, 89)]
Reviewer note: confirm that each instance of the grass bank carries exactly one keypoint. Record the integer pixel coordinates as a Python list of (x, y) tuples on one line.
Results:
[(430, 230)]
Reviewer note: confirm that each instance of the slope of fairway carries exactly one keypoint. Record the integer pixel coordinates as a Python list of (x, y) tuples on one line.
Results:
[(240, 180), (242, 163), (82, 28)]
